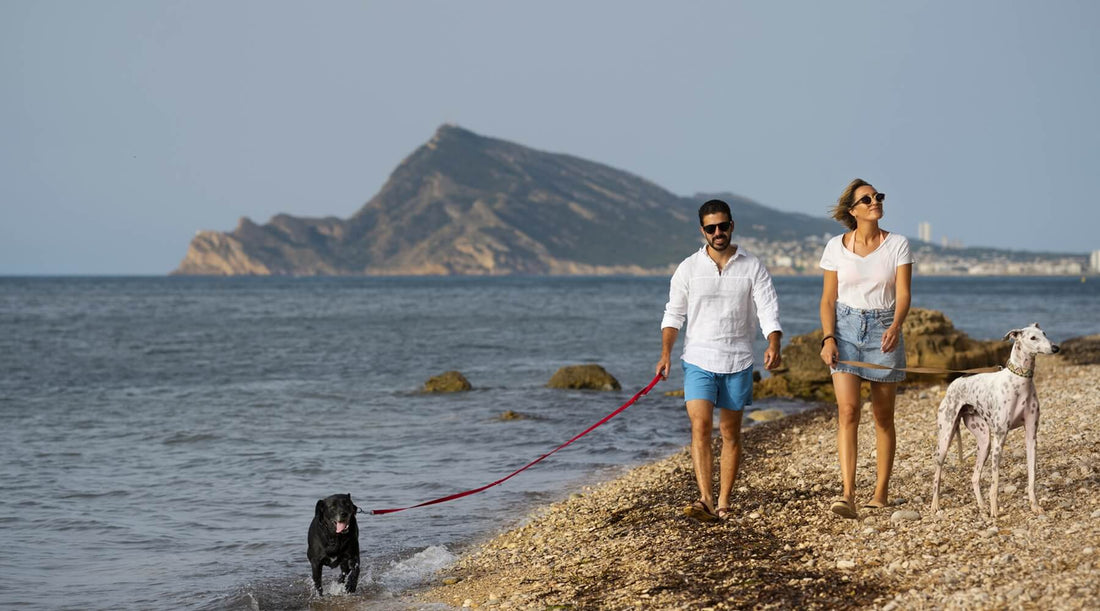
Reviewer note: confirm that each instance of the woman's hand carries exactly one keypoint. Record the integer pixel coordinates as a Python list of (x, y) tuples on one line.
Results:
[(829, 352), (890, 338)]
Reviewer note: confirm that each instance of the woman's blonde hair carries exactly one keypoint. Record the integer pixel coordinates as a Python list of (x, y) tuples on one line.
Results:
[(844, 203)]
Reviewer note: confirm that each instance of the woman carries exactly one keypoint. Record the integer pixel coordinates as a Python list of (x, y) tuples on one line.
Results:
[(864, 301)]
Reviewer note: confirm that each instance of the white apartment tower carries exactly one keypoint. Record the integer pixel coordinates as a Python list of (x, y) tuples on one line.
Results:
[(1094, 261), (924, 231)]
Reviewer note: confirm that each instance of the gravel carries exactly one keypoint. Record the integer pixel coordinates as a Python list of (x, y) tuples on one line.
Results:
[(626, 544)]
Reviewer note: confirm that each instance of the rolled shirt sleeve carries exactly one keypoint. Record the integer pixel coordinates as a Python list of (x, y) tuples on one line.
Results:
[(676, 308), (766, 301)]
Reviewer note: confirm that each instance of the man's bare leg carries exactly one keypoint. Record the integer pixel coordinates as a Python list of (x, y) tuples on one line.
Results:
[(701, 414), (729, 423)]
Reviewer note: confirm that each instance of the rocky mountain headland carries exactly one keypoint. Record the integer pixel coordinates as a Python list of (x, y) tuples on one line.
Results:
[(467, 204)]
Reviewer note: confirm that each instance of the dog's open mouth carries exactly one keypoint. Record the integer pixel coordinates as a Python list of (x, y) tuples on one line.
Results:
[(341, 527)]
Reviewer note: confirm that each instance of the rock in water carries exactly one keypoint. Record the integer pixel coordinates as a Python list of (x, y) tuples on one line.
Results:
[(449, 381), (587, 377)]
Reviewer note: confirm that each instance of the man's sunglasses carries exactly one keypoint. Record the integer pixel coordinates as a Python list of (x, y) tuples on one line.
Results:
[(866, 199), (723, 227)]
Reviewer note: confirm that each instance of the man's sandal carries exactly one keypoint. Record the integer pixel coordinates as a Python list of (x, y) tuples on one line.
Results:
[(699, 511)]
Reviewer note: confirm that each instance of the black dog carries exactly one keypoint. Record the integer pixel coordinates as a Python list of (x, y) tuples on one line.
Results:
[(334, 540)]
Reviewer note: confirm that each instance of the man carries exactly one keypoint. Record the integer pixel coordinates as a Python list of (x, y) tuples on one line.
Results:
[(719, 290)]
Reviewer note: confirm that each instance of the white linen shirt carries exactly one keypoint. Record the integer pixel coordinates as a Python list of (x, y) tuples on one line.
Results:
[(867, 283), (721, 308)]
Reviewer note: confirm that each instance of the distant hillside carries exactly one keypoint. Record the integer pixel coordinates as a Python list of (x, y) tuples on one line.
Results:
[(468, 204)]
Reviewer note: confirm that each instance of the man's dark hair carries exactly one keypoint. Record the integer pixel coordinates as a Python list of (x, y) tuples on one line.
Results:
[(714, 206)]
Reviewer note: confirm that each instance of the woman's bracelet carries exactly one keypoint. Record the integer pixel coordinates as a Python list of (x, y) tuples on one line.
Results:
[(827, 338)]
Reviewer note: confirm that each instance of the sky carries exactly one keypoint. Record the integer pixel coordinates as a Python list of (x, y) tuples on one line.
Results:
[(127, 126)]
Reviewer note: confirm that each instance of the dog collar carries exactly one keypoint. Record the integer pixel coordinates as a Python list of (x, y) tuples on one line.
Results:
[(1030, 373)]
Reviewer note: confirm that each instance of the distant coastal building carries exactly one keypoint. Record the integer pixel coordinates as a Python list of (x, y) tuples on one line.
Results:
[(947, 242), (924, 231), (1094, 261)]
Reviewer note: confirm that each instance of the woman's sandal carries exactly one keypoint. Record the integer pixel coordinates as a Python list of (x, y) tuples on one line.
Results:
[(723, 513), (699, 511)]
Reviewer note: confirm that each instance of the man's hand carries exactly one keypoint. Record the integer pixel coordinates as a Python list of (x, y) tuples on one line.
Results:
[(668, 340), (662, 367), (772, 356)]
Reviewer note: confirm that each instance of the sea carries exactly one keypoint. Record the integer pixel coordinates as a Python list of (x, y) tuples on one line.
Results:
[(164, 439)]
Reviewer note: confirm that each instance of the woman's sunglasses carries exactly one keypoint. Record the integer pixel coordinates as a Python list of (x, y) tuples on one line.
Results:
[(723, 226), (866, 199)]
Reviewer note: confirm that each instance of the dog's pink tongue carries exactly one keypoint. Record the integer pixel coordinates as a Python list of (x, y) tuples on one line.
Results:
[(341, 527)]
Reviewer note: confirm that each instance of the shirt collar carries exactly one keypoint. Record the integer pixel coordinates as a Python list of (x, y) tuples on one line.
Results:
[(740, 252)]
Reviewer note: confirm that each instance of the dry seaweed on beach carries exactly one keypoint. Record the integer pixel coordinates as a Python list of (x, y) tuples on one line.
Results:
[(626, 543)]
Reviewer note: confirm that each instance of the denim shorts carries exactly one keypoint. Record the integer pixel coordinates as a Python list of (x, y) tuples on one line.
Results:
[(859, 338), (731, 391)]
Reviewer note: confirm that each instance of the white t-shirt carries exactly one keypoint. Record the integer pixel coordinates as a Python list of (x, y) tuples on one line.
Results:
[(867, 283)]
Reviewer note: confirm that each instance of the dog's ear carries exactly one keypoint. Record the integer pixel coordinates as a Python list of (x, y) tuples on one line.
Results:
[(1013, 334), (320, 510), (1036, 325)]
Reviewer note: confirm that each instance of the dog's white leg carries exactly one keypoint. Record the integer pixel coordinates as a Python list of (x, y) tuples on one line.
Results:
[(1031, 430), (998, 442), (959, 442), (979, 464), (948, 426), (980, 430), (936, 486)]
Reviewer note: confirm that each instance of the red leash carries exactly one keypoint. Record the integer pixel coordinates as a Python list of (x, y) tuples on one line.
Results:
[(452, 497)]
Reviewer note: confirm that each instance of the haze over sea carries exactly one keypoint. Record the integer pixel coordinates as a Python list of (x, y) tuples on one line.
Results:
[(165, 439)]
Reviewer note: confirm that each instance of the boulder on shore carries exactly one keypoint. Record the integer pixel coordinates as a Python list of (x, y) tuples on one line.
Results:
[(931, 340), (587, 377), (1081, 350), (765, 415), (448, 381), (936, 343)]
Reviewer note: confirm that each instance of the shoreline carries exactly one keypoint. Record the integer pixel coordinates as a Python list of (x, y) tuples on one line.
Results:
[(626, 543)]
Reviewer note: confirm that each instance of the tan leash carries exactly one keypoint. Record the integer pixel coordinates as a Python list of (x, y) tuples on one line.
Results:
[(931, 370)]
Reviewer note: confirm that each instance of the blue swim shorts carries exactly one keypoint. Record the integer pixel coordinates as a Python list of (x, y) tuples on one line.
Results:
[(859, 338), (731, 391)]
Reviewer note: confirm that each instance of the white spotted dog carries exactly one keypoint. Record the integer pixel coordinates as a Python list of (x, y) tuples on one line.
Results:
[(991, 405)]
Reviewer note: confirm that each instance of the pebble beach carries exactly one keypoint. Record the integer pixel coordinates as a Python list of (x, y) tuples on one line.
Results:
[(627, 544)]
